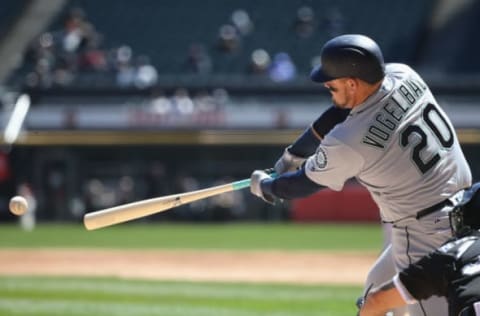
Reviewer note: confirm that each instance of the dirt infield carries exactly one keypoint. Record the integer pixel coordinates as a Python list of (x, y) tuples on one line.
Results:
[(243, 266)]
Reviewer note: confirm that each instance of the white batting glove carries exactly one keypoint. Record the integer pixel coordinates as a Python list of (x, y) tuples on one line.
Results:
[(288, 162), (255, 185)]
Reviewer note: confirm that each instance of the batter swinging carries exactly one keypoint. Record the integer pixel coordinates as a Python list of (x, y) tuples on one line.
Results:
[(396, 141)]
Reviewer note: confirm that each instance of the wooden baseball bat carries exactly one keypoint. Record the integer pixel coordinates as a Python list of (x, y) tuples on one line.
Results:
[(130, 211)]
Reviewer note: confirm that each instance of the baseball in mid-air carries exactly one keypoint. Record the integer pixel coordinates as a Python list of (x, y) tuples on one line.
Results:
[(18, 205)]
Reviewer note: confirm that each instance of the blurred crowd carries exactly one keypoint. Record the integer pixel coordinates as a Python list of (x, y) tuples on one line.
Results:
[(76, 48), (57, 57), (280, 67), (277, 66)]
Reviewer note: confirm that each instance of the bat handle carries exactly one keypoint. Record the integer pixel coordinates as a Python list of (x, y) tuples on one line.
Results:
[(238, 185)]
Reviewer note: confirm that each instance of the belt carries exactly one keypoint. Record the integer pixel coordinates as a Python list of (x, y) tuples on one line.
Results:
[(433, 208)]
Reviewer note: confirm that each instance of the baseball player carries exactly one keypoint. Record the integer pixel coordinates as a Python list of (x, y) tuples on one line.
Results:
[(451, 271), (396, 141)]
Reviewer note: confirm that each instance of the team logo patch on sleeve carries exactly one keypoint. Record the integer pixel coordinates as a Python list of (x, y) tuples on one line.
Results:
[(320, 158)]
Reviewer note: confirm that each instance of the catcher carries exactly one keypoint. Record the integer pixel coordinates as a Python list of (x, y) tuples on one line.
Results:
[(451, 271)]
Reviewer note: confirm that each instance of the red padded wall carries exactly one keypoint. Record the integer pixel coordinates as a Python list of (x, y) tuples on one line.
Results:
[(353, 203)]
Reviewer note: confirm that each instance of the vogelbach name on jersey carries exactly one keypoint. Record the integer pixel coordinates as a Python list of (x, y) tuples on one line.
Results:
[(392, 113)]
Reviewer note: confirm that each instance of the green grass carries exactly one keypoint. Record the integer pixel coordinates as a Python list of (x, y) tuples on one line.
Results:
[(25, 296), (59, 296), (332, 237)]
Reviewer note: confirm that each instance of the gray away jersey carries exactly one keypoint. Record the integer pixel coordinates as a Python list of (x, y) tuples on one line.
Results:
[(399, 144)]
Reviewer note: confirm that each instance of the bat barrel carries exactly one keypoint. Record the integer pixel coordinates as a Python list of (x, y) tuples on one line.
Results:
[(127, 212)]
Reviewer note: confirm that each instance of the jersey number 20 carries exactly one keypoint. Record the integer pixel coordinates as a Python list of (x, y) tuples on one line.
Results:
[(440, 129)]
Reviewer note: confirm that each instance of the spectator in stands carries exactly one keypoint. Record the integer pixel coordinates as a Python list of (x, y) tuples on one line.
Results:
[(55, 54), (221, 97), (125, 190), (146, 74), (41, 55), (228, 39), (182, 102), (335, 23), (41, 76), (122, 63), (93, 57), (58, 57), (204, 102), (76, 36), (198, 59), (242, 22), (304, 22), (125, 75), (98, 194), (42, 48), (282, 69), (75, 30), (259, 62), (64, 73), (160, 103)]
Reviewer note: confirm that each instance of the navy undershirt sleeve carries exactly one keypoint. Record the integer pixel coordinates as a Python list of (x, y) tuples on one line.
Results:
[(290, 185), (308, 142), (327, 121)]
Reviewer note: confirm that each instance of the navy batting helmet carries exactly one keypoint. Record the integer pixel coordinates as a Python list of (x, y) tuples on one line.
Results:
[(350, 55)]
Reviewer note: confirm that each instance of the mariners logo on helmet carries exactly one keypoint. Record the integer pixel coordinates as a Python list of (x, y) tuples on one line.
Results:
[(350, 55)]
